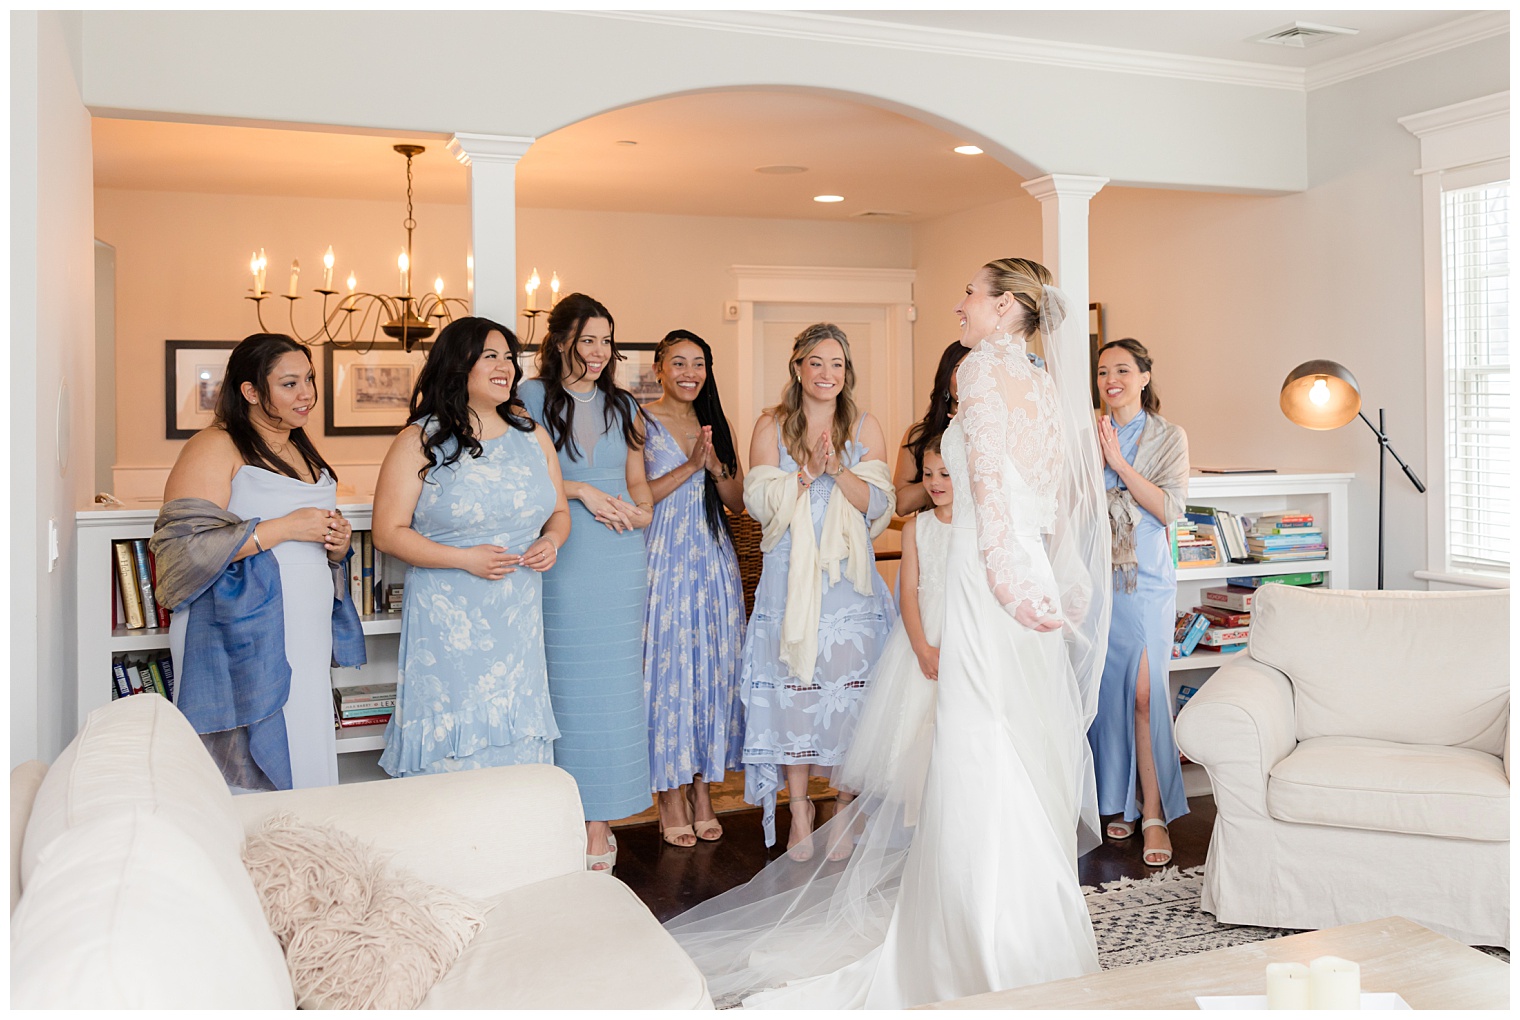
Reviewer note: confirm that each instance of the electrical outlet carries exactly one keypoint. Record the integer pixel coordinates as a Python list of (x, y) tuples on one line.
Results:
[(730, 311)]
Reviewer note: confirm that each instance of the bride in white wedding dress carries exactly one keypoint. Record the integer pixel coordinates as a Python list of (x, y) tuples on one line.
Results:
[(971, 887)]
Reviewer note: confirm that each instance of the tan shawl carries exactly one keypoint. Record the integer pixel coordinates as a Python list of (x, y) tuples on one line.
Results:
[(1161, 458), (774, 499)]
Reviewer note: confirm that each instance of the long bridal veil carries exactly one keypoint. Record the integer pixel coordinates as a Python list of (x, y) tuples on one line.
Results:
[(800, 919)]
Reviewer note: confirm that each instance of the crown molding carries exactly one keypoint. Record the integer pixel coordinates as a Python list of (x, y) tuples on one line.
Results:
[(475, 148), (960, 43), (1460, 32)]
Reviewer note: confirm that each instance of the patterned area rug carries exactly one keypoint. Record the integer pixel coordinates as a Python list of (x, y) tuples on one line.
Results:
[(1156, 918)]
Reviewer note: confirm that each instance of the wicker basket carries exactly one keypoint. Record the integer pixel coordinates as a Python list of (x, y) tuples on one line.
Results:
[(745, 532)]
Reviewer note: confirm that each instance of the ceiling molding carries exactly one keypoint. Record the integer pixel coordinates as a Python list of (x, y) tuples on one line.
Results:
[(1460, 32), (959, 43)]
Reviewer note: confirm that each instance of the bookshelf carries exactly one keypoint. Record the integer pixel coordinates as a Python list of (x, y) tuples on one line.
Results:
[(1323, 495), (99, 642)]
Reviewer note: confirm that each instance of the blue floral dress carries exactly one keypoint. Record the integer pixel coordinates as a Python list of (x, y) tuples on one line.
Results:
[(791, 722), (693, 631), (472, 690)]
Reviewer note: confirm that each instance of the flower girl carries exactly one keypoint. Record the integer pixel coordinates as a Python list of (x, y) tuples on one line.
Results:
[(898, 717)]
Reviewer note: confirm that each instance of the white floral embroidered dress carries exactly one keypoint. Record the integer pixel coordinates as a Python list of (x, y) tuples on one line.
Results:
[(472, 687)]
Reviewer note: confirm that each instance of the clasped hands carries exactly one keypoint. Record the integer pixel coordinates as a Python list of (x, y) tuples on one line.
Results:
[(493, 562), (617, 514), (823, 459), (703, 458)]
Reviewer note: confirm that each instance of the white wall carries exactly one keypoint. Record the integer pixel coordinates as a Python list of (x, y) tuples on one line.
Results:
[(522, 73), (52, 343), (1230, 292), (181, 276)]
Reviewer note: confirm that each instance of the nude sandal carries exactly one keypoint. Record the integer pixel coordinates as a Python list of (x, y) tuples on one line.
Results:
[(708, 831), (1165, 855), (669, 836)]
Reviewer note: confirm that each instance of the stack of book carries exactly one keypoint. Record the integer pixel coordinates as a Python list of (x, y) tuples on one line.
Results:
[(364, 704), (395, 597), (1292, 535), (1189, 631), (134, 577), (1194, 544), (153, 675), (1225, 528)]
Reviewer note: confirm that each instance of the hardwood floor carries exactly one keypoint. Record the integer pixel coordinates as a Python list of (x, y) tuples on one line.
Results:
[(672, 879)]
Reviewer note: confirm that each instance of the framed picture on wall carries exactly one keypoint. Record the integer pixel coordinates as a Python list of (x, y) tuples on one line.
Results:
[(1095, 340), (366, 393), (193, 371)]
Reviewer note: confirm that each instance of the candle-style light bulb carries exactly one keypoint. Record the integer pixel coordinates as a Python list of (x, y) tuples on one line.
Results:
[(532, 287), (353, 283), (553, 289), (438, 287), (253, 267), (1319, 393), (403, 263), (263, 266), (327, 267), (295, 275)]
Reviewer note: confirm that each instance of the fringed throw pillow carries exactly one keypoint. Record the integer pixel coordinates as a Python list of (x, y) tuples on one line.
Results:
[(358, 932)]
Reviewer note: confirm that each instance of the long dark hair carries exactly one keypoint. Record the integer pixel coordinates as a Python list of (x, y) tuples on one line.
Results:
[(566, 321), (251, 361), (934, 423), (710, 413), (1148, 399), (443, 391)]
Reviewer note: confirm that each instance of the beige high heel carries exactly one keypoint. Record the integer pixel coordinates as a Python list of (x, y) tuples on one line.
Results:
[(1165, 855), (708, 831)]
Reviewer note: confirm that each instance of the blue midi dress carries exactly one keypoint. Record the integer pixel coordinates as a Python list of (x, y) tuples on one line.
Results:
[(790, 721), (693, 631), (594, 599), (1142, 622), (472, 690)]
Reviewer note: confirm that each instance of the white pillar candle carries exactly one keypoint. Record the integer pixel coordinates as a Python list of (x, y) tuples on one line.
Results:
[(1334, 984), (1287, 986)]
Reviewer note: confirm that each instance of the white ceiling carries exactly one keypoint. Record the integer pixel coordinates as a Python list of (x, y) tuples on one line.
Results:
[(697, 154), (1219, 35)]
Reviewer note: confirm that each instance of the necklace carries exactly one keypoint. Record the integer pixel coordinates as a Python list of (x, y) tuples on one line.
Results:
[(588, 398)]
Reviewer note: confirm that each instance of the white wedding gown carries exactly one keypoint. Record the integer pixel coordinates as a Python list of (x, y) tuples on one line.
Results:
[(982, 892)]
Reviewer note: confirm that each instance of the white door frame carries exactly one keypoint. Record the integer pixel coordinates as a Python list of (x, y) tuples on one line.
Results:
[(888, 289)]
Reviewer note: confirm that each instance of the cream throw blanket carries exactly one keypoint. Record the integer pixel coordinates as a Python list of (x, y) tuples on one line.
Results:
[(774, 499)]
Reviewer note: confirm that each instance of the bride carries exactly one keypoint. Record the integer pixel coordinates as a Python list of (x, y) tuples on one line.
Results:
[(964, 876)]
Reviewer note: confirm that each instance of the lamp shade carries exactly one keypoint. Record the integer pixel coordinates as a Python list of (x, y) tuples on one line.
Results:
[(1320, 395)]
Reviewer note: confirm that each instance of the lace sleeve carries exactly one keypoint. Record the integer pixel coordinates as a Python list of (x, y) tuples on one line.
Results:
[(1012, 452)]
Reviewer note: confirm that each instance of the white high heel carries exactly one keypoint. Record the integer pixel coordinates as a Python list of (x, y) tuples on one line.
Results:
[(1165, 855)]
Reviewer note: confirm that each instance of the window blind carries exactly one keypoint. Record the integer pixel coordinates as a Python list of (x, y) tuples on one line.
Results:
[(1475, 258)]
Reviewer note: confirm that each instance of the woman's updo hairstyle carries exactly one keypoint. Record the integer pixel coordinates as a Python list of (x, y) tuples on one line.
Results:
[(1149, 402), (1027, 281)]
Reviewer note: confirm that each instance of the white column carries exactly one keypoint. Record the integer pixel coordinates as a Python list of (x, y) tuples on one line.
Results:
[(1063, 208), (492, 258)]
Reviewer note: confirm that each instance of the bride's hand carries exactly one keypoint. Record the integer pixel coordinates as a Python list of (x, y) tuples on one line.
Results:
[(1040, 623)]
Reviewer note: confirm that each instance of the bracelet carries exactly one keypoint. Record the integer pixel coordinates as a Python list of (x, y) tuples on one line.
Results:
[(804, 478), (256, 542), (645, 506)]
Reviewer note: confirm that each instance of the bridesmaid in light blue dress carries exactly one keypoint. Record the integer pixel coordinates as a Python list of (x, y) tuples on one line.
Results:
[(1139, 772), (594, 600), (795, 727), (694, 625), (469, 496)]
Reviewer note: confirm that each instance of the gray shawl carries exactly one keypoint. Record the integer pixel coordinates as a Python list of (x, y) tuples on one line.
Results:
[(1161, 458)]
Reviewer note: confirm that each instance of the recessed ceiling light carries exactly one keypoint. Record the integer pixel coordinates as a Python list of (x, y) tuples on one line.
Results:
[(781, 168), (626, 141), (968, 150), (828, 198)]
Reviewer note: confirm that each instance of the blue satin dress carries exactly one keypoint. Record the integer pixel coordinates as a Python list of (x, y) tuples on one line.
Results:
[(1143, 621), (594, 598)]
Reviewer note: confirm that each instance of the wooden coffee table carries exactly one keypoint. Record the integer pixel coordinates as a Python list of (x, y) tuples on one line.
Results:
[(1429, 970)]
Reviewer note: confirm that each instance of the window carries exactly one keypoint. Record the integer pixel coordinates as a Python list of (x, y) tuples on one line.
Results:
[(1475, 367), (1464, 169)]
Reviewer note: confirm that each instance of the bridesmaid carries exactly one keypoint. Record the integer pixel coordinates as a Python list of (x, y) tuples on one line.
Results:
[(470, 496), (819, 478), (908, 478), (594, 599), (250, 484), (694, 626), (1134, 752)]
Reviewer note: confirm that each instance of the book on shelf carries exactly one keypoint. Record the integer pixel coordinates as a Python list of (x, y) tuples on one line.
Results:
[(355, 575), (163, 610), (144, 581), (1238, 599), (368, 720), (1230, 649), (126, 577), (366, 572), (1222, 526), (121, 686), (364, 692), (395, 597), (1304, 577), (1184, 695), (1190, 628), (368, 713)]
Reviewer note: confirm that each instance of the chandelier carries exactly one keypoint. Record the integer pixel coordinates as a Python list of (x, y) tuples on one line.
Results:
[(358, 317)]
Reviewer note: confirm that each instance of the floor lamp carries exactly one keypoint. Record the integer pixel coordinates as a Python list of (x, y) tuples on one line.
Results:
[(1324, 395)]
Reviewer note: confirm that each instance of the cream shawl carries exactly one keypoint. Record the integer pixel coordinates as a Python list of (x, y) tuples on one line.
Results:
[(1161, 458), (774, 499)]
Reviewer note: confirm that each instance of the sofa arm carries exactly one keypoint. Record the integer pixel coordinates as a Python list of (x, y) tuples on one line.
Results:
[(1238, 726), (479, 833)]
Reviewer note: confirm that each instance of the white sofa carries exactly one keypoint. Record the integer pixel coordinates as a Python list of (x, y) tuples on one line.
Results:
[(1359, 754), (132, 891)]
